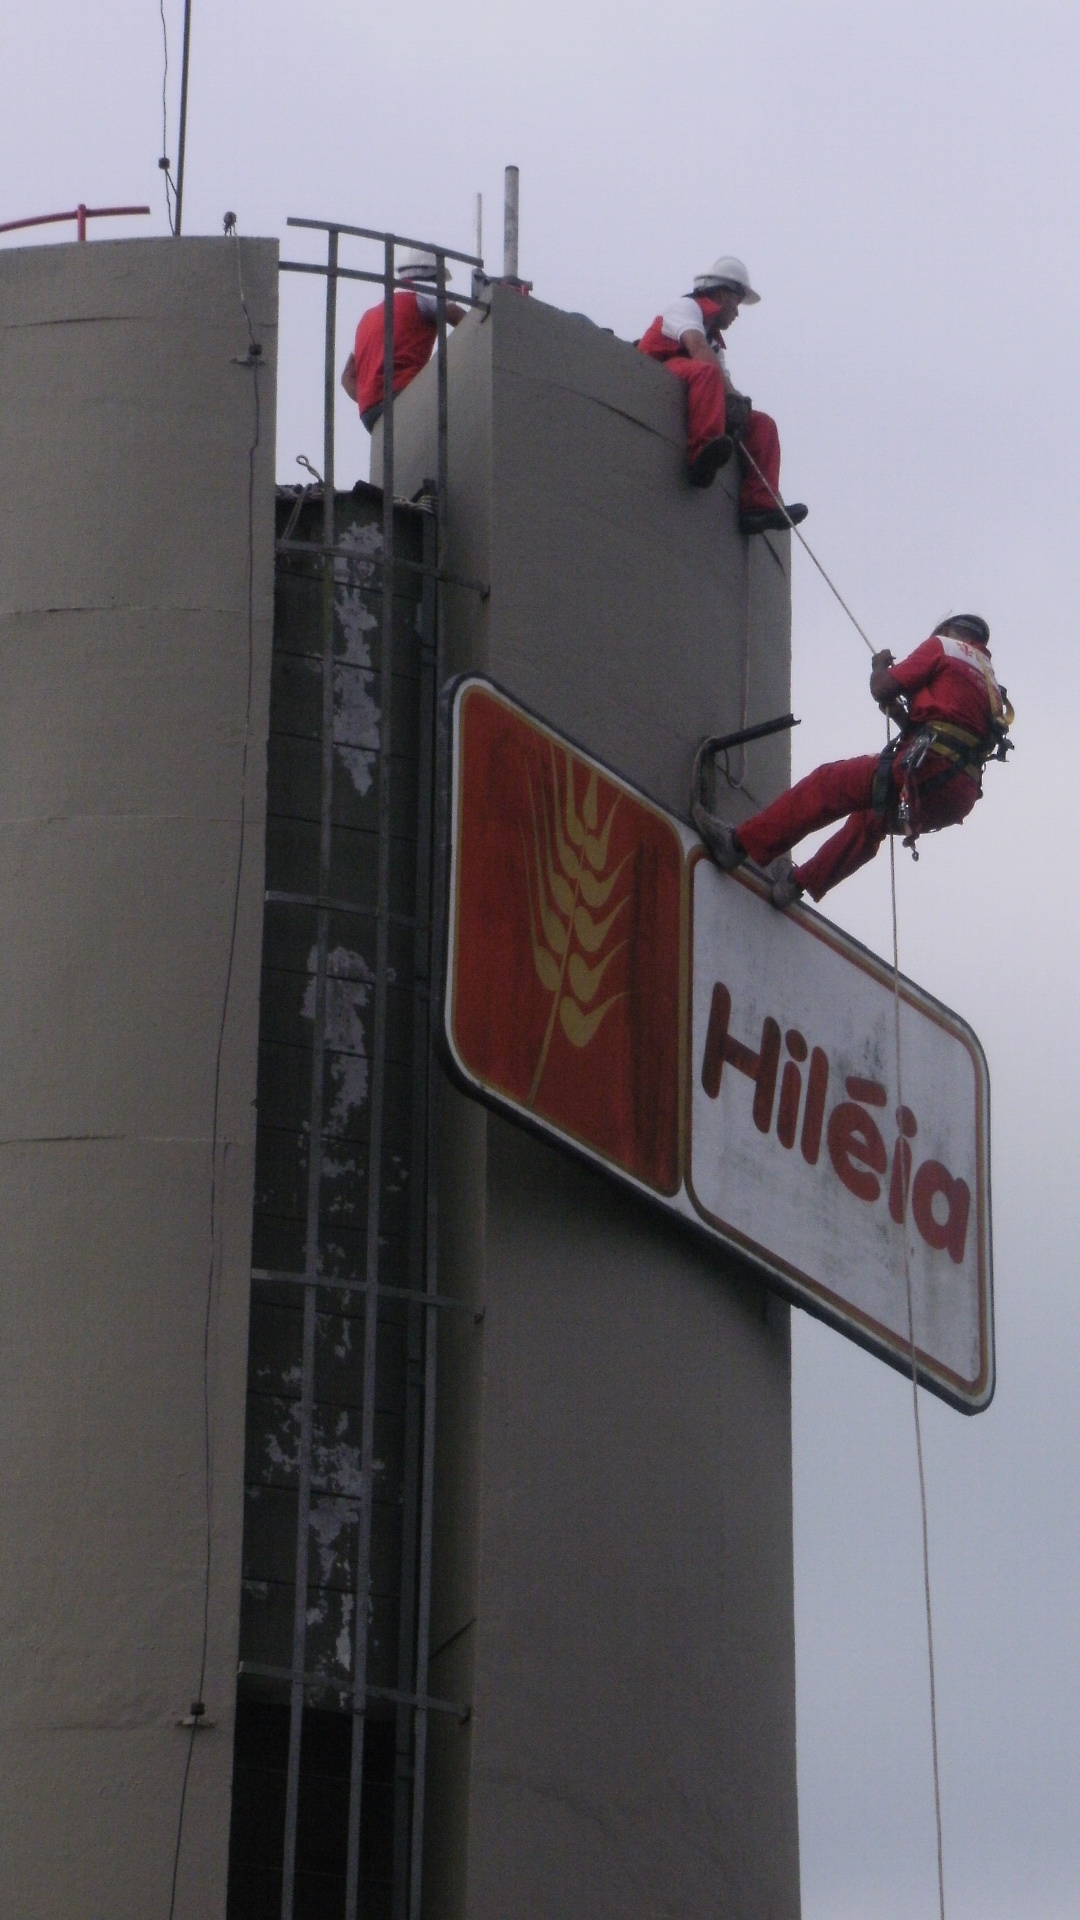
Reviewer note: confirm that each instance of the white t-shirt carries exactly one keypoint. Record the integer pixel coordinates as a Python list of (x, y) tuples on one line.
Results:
[(685, 316)]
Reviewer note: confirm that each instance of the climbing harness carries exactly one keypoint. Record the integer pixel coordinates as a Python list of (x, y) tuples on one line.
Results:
[(957, 748)]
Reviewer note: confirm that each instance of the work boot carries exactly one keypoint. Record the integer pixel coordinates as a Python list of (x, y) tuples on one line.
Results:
[(785, 889), (773, 519), (718, 837), (714, 455)]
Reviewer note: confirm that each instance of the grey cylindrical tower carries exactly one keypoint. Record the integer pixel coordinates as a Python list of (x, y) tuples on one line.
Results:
[(135, 619), (613, 1590)]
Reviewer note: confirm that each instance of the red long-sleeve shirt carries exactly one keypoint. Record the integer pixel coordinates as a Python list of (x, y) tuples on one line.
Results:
[(951, 680)]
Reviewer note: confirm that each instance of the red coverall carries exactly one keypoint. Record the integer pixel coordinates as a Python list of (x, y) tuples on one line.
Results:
[(706, 410), (414, 342), (945, 679)]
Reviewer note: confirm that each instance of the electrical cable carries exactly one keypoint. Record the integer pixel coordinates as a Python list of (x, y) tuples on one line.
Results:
[(163, 163), (252, 360), (739, 785), (748, 456)]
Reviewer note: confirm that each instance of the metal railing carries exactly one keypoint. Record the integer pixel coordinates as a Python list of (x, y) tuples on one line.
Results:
[(410, 1697), (80, 214)]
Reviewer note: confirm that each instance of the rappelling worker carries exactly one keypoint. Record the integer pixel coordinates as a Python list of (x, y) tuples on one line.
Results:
[(953, 717), (688, 338), (415, 333)]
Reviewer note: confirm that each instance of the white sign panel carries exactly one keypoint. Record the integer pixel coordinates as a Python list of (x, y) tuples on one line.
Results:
[(801, 1146)]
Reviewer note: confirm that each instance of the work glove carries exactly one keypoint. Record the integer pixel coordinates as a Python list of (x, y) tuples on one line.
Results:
[(882, 660)]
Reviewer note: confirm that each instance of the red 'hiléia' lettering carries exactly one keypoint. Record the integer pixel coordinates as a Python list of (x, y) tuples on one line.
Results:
[(853, 1139)]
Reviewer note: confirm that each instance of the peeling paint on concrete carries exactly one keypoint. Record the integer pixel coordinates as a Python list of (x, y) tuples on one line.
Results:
[(356, 716), (348, 981)]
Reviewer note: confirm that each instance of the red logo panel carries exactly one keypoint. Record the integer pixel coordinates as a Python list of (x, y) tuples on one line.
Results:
[(566, 941)]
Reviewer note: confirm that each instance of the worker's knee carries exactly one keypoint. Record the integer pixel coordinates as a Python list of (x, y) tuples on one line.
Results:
[(846, 785), (873, 827)]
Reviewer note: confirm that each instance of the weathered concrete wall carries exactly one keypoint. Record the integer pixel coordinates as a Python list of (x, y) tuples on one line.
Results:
[(614, 1588), (125, 431)]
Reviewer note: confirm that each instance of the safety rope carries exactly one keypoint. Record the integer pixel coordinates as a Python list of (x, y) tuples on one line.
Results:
[(831, 584), (904, 1165)]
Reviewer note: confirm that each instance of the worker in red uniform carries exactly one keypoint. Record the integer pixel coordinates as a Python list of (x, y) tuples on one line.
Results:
[(953, 716), (415, 333), (688, 339)]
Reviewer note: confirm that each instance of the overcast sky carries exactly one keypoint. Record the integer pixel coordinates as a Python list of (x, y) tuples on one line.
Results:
[(903, 182)]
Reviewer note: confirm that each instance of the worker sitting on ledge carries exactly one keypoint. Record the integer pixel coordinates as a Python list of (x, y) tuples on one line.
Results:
[(688, 339), (953, 717), (415, 333)]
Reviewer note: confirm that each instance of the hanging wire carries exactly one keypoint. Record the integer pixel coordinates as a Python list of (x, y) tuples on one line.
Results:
[(163, 163), (739, 785), (254, 361)]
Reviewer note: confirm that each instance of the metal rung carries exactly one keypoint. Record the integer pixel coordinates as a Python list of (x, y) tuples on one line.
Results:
[(355, 560), (361, 1286), (376, 233), (253, 1670), (275, 898), (358, 273)]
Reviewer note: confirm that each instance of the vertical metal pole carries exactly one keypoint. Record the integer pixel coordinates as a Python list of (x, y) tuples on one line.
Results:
[(427, 1495), (421, 1068), (510, 225), (378, 1091), (423, 1635), (329, 391), (183, 119), (441, 427), (318, 1059), (478, 227), (80, 222)]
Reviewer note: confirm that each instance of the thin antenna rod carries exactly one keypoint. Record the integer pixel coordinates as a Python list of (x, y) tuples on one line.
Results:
[(183, 119), (510, 225)]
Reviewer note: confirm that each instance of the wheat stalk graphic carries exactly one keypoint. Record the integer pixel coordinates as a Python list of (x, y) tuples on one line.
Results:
[(567, 875)]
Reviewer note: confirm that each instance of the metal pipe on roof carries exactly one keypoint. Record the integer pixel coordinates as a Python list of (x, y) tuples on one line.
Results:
[(478, 227), (510, 225), (184, 66)]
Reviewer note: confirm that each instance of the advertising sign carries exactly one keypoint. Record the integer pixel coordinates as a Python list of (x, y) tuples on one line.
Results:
[(610, 988)]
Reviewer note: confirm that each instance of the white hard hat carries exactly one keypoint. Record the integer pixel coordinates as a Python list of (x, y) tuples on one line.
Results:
[(418, 264), (728, 271)]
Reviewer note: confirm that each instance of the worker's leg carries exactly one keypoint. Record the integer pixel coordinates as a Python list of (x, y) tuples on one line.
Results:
[(705, 403), (857, 842), (760, 439), (827, 794), (943, 799)]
